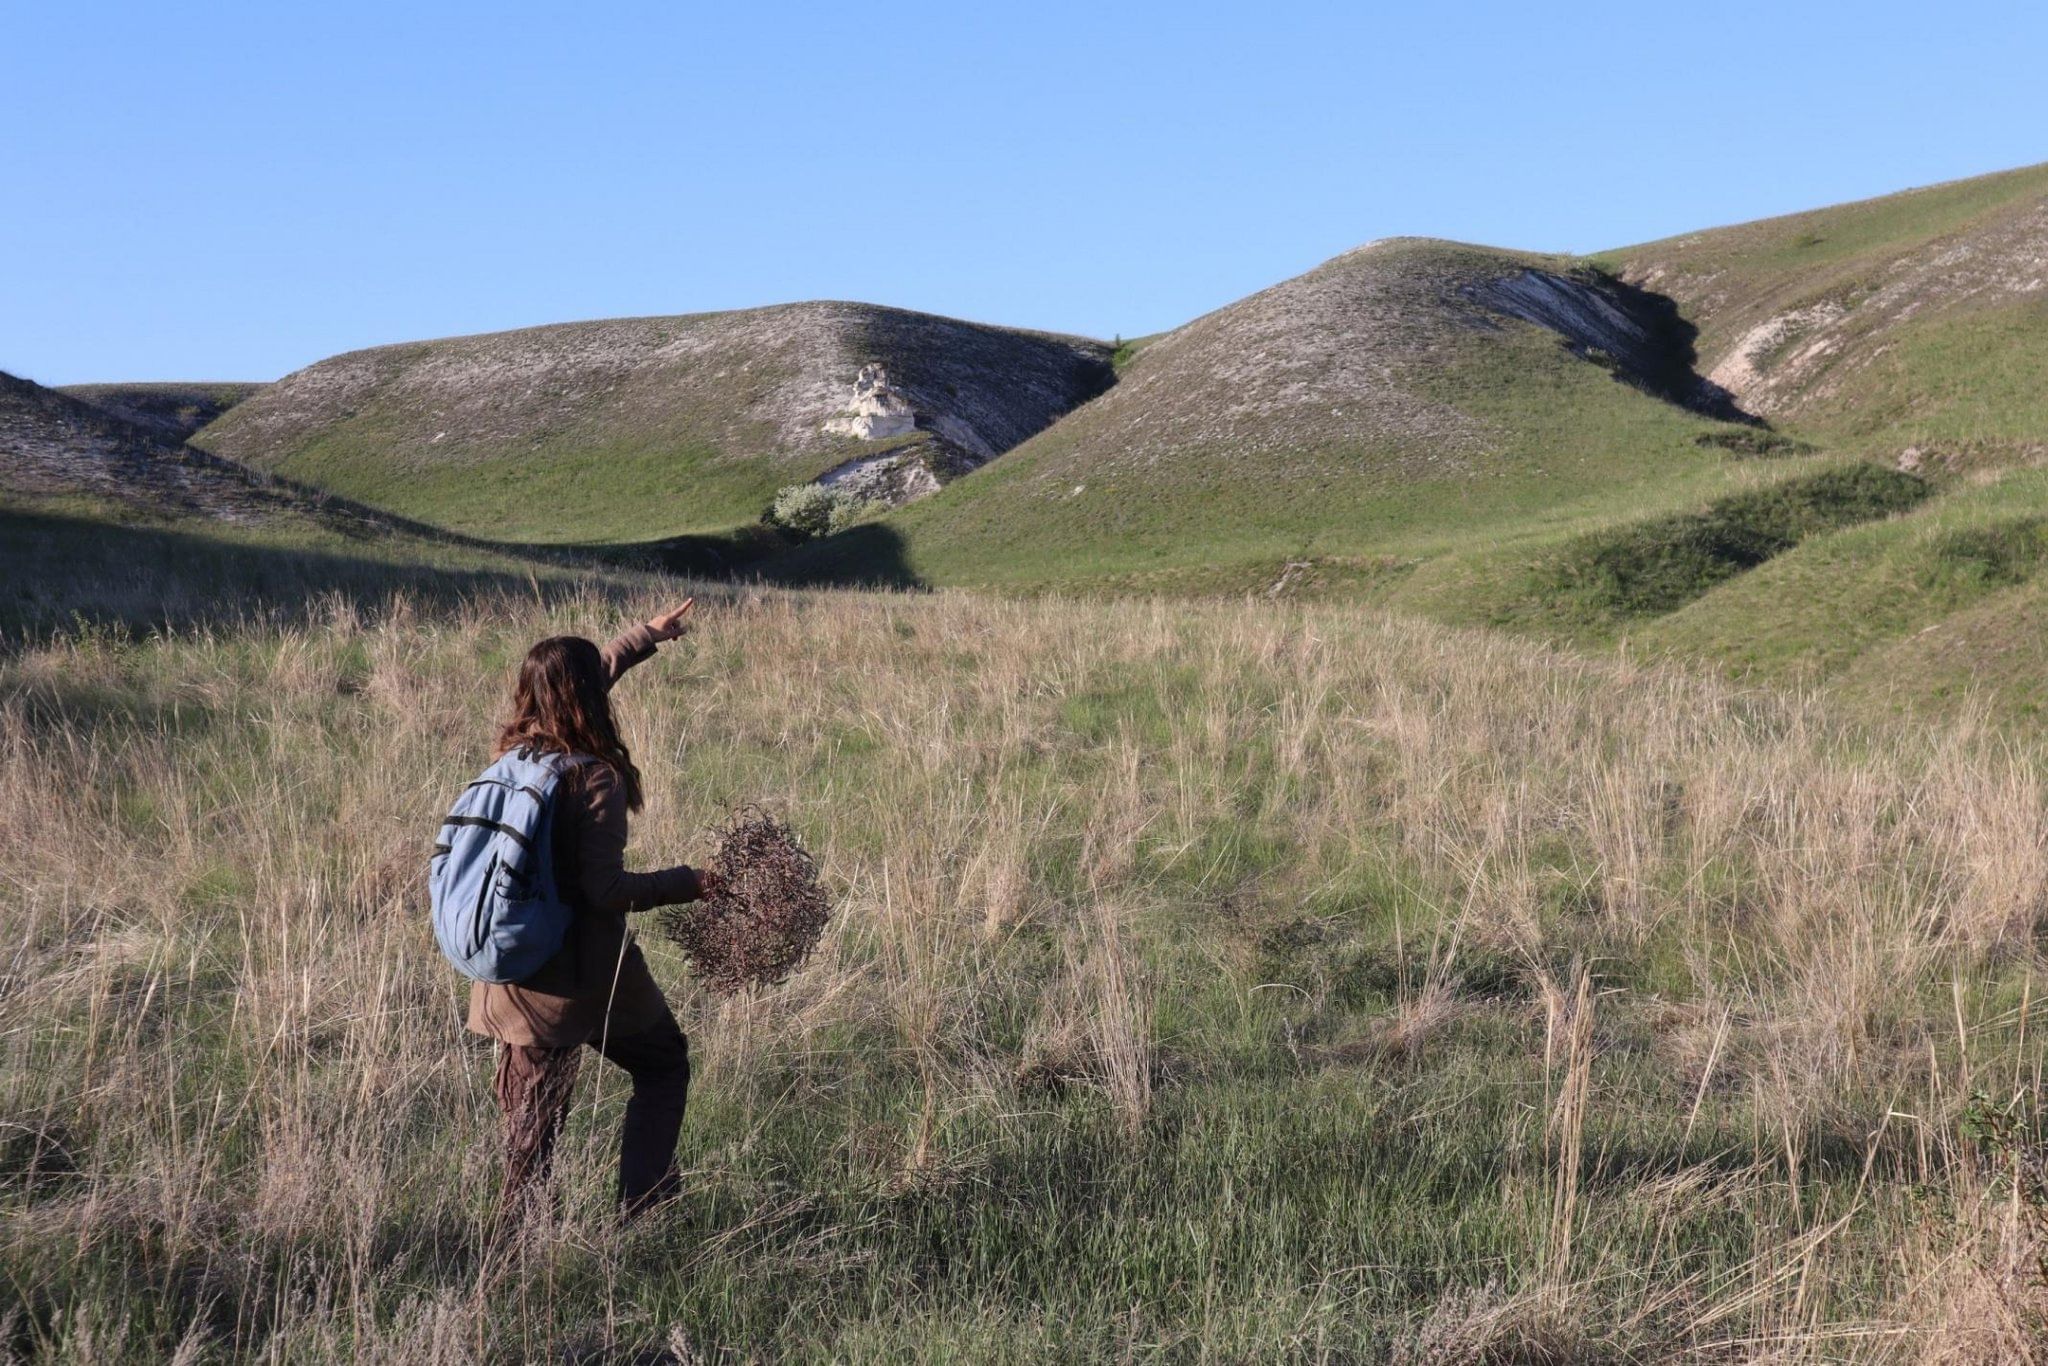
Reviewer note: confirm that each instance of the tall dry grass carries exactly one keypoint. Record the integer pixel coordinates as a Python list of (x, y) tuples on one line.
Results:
[(1204, 986)]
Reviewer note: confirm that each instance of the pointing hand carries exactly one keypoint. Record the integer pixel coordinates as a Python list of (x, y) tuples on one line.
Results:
[(672, 623)]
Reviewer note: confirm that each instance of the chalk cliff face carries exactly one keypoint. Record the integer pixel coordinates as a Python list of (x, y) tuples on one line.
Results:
[(929, 448), (696, 420)]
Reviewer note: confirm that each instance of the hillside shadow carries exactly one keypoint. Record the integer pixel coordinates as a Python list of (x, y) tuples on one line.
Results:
[(715, 555), (873, 555), (1637, 334), (1672, 369), (58, 571)]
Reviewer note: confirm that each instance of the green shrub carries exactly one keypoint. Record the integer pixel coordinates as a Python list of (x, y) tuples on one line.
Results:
[(1660, 565), (1752, 442), (1995, 556), (846, 510), (810, 510)]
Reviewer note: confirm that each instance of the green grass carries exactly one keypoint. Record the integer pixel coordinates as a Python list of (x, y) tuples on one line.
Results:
[(1126, 350), (1834, 606), (561, 491), (1966, 385)]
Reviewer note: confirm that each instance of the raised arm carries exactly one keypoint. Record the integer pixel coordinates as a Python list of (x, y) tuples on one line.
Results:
[(635, 644), (607, 886)]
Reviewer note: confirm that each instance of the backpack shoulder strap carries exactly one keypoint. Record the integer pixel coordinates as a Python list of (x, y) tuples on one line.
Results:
[(554, 761)]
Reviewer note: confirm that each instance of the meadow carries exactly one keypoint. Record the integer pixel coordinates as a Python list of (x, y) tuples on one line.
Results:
[(1211, 981)]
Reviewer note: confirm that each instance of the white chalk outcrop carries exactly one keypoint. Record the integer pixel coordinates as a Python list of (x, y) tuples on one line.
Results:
[(876, 412), (894, 477), (1788, 343)]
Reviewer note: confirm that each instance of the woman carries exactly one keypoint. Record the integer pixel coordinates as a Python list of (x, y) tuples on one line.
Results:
[(596, 991)]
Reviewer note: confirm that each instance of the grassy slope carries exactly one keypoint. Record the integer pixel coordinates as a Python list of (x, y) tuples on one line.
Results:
[(654, 472), (1939, 604), (1942, 340), (1740, 274), (564, 486), (1941, 292), (1875, 606)]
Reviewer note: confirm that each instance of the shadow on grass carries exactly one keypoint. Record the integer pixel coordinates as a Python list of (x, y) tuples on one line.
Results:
[(872, 555), (715, 555), (57, 571)]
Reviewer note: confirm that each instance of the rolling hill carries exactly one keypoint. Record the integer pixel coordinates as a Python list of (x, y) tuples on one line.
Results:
[(646, 428), (1910, 330), (1403, 398), (1823, 460), (1808, 447)]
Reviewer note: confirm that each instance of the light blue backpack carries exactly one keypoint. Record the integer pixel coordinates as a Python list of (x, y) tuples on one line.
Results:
[(497, 913)]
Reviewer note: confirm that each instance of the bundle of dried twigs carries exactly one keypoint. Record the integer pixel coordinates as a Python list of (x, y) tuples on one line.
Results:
[(765, 915)]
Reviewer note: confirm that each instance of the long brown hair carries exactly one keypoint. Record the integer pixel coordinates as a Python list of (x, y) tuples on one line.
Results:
[(562, 705)]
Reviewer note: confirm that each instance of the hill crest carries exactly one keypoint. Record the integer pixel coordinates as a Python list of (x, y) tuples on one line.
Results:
[(701, 417)]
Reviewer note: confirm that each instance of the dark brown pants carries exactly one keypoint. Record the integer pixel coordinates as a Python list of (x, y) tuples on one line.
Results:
[(535, 1086)]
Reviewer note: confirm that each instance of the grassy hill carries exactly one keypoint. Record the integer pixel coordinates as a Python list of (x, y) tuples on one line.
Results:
[(1771, 445), (1439, 429), (1911, 330), (645, 428), (1396, 403)]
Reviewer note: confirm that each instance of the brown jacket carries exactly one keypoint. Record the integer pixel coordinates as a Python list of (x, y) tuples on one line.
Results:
[(598, 981)]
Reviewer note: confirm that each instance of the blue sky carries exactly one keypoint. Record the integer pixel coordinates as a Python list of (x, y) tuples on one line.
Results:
[(231, 191)]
